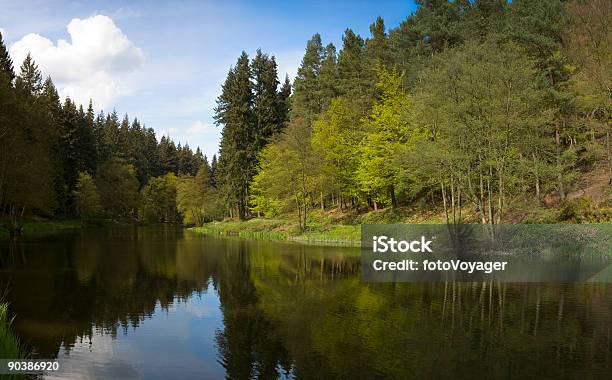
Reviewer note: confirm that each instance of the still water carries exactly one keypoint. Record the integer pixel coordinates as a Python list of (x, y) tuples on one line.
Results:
[(160, 303)]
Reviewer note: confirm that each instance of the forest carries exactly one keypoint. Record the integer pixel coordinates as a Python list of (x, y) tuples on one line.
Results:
[(58, 160), (476, 110)]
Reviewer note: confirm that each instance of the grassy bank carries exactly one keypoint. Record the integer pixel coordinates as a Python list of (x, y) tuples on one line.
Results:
[(43, 226), (10, 347), (283, 229), (337, 226)]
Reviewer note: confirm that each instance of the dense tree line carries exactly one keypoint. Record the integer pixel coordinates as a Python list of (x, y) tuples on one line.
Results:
[(466, 106), (252, 109), (470, 105), (59, 159)]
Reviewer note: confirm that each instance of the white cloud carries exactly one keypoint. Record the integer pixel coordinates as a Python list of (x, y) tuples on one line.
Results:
[(199, 127), (168, 132), (95, 63)]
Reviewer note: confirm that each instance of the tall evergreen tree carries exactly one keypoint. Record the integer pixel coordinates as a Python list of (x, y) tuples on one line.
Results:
[(305, 102), (53, 109), (284, 103), (213, 171), (378, 47), (328, 76), (355, 78), (168, 156), (265, 100), (6, 64), (235, 112), (30, 78)]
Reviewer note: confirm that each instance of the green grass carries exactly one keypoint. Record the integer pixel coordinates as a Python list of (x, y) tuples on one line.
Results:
[(282, 229), (43, 226), (10, 347)]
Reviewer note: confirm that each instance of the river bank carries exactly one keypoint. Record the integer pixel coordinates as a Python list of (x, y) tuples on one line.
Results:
[(42, 226), (280, 229)]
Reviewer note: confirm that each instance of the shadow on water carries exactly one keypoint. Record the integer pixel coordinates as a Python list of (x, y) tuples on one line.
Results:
[(289, 310)]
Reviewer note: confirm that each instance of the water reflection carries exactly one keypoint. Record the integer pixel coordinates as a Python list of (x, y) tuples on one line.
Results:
[(165, 302)]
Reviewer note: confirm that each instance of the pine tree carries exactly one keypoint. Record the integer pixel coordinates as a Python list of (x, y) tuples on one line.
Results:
[(70, 141), (168, 156), (328, 76), (213, 171), (30, 80), (6, 64), (235, 112), (265, 100), (152, 153), (305, 102), (354, 76), (53, 108), (377, 47), (284, 103), (111, 135)]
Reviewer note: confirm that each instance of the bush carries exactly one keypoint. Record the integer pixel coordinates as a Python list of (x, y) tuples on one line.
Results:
[(575, 209)]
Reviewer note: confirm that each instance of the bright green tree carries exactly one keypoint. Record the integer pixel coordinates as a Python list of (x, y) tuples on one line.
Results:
[(389, 126), (197, 200), (336, 136), (158, 199), (86, 197), (118, 187)]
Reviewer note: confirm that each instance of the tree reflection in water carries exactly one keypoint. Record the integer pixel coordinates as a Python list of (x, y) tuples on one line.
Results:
[(300, 311)]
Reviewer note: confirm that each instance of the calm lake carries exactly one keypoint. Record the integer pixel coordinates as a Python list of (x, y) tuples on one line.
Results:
[(159, 303)]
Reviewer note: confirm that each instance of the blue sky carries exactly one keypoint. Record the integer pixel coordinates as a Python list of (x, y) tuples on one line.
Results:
[(164, 62)]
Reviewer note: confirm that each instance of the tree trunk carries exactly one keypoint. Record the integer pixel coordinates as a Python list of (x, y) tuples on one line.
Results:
[(489, 198), (501, 197), (453, 199), (537, 177), (560, 172), (444, 200)]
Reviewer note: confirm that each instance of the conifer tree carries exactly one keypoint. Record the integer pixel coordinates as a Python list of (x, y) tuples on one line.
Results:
[(284, 103), (328, 76), (265, 100), (213, 171), (354, 76), (235, 112), (29, 80), (305, 102), (168, 155), (6, 64)]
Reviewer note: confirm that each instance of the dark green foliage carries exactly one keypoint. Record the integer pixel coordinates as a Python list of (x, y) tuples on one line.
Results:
[(252, 111), (305, 102), (236, 157), (266, 100), (29, 81), (6, 63), (168, 155), (44, 145)]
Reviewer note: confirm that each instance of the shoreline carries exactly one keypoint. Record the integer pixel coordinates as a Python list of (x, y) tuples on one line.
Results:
[(282, 230)]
